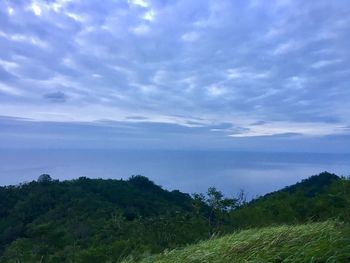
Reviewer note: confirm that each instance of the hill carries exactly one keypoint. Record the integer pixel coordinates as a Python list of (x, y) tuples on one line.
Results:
[(317, 198), (316, 242), (94, 220), (73, 219)]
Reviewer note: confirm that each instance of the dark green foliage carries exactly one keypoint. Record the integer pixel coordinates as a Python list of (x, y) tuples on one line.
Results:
[(92, 220), (44, 178), (95, 220), (315, 199)]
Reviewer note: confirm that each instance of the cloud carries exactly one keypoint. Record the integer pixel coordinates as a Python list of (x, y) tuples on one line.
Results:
[(57, 96), (8, 65), (190, 37), (296, 82), (36, 9), (242, 73), (141, 29), (142, 3), (142, 134), (216, 91), (9, 90), (149, 15), (325, 63), (178, 62), (286, 47), (10, 10), (136, 118), (290, 128)]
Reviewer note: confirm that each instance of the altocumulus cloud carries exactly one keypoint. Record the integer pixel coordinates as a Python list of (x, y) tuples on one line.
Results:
[(233, 69)]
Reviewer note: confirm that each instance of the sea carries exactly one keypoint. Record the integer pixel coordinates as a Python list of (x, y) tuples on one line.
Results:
[(190, 171)]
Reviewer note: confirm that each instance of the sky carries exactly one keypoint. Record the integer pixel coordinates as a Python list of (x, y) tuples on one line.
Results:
[(237, 75)]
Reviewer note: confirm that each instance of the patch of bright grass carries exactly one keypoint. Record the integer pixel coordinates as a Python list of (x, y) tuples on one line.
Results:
[(315, 242)]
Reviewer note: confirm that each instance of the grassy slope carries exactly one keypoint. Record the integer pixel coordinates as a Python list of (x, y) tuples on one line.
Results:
[(314, 242)]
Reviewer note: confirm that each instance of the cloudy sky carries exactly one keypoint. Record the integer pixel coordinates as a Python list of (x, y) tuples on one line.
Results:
[(246, 75)]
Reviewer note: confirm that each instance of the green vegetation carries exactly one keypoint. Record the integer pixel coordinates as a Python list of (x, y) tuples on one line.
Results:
[(316, 242), (317, 198), (94, 220)]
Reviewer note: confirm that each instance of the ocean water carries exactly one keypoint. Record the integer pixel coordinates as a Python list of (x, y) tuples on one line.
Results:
[(189, 171)]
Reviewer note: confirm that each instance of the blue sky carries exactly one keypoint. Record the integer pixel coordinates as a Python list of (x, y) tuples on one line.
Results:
[(216, 74)]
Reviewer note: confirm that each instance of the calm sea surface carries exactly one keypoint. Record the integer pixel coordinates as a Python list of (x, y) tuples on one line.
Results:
[(188, 171)]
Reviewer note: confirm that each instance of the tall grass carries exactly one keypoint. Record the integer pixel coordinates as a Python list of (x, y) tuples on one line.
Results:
[(315, 242)]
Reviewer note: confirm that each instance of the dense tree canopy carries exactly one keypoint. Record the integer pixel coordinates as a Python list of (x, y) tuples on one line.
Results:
[(95, 220)]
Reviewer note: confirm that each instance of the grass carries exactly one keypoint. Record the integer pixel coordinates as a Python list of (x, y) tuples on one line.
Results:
[(315, 242)]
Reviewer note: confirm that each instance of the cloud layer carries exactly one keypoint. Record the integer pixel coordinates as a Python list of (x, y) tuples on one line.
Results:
[(231, 68)]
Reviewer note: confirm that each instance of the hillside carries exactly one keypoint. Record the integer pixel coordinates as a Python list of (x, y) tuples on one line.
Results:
[(316, 242), (61, 220), (317, 198), (95, 220)]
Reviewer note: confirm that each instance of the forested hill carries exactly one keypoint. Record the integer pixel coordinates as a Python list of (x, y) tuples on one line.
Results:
[(311, 186), (81, 206), (317, 198), (96, 220), (137, 196), (48, 217)]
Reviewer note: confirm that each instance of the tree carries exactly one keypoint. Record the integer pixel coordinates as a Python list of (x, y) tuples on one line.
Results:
[(44, 178), (219, 206), (217, 202)]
